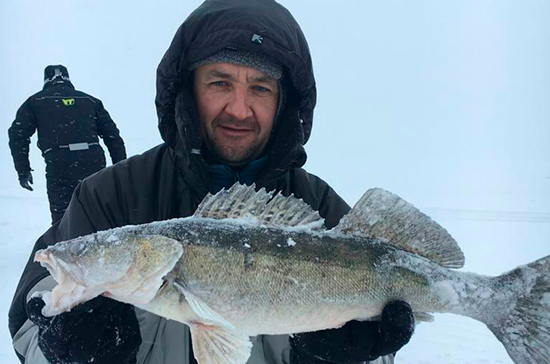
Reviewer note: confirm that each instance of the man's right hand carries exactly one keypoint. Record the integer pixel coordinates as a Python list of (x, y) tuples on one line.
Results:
[(356, 342), (100, 331), (25, 180)]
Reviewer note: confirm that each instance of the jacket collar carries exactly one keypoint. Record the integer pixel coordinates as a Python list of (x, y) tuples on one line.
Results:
[(58, 82)]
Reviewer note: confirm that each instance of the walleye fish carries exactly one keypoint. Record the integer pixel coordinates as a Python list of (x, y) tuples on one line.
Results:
[(249, 263)]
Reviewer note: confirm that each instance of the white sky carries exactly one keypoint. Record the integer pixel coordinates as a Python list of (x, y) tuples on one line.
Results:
[(428, 92), (446, 103)]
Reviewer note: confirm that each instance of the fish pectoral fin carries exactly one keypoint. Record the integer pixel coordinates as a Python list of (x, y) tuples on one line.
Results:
[(204, 311), (214, 344)]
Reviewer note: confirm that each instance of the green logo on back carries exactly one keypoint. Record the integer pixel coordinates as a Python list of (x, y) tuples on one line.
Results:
[(68, 102)]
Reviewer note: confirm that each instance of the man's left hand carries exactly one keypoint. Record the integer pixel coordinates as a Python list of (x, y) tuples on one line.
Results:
[(25, 180), (356, 341)]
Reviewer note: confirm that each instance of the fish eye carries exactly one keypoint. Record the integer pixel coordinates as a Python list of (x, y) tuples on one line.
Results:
[(77, 248)]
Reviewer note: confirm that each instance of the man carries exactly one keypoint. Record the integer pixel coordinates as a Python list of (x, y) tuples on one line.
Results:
[(68, 123), (235, 99)]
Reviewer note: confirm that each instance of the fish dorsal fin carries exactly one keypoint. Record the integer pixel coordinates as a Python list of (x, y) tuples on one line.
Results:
[(382, 215), (268, 208)]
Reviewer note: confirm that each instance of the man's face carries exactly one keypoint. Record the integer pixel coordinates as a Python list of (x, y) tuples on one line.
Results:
[(236, 107)]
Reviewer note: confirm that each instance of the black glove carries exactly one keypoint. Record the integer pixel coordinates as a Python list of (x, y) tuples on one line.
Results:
[(100, 331), (25, 180), (356, 341)]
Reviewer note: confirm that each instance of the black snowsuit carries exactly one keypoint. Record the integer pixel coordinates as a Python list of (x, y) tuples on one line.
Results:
[(69, 123), (171, 179)]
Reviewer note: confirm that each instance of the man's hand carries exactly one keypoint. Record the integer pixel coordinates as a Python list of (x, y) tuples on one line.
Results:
[(25, 180), (100, 331), (356, 341)]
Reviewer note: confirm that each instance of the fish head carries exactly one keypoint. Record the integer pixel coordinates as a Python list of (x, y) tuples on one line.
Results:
[(122, 266)]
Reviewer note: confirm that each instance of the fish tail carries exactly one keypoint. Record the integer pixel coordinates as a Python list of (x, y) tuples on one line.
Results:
[(523, 325)]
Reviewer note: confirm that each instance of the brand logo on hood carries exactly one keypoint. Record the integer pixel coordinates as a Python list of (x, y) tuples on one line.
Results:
[(257, 39)]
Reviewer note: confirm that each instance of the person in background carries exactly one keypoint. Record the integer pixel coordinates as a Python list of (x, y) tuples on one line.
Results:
[(69, 123), (235, 100)]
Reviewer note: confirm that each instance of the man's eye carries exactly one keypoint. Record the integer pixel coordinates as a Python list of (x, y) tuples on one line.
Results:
[(261, 89), (219, 83)]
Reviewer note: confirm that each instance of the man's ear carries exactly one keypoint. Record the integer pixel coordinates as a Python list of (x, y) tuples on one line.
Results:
[(281, 102), (187, 119), (190, 80)]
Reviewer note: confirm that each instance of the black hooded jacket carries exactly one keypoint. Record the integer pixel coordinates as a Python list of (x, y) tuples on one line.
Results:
[(170, 180), (62, 116), (236, 24)]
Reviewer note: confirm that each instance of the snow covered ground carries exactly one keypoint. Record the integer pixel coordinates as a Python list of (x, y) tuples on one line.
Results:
[(443, 103)]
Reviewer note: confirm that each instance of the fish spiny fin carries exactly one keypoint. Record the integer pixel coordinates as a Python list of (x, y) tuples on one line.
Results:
[(270, 209), (219, 345), (382, 215)]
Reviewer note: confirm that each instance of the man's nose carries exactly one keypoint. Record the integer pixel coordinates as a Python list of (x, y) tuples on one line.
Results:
[(239, 106)]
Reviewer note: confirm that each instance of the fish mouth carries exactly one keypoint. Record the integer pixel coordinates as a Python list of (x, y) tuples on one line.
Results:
[(52, 264), (69, 291)]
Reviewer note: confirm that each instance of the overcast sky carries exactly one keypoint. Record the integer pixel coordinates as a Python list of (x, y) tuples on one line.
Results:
[(420, 97)]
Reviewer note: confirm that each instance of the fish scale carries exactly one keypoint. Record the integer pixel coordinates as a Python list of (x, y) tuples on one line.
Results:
[(328, 272)]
